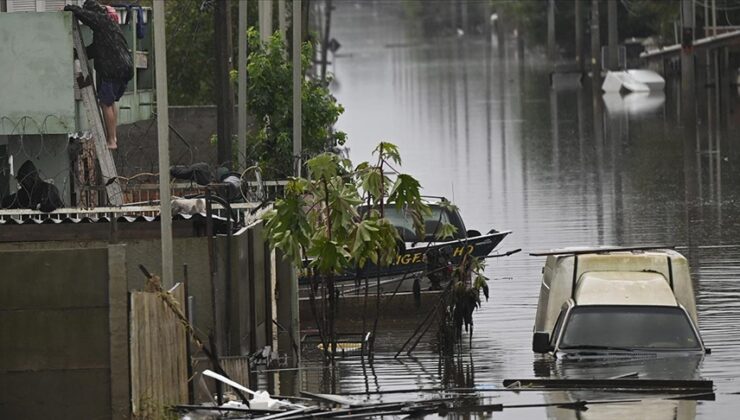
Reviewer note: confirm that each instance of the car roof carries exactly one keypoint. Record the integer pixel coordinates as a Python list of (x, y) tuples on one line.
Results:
[(624, 288)]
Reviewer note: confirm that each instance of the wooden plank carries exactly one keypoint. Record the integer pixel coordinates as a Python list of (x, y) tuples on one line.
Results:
[(95, 122), (134, 352), (182, 347), (332, 398), (159, 353), (662, 385)]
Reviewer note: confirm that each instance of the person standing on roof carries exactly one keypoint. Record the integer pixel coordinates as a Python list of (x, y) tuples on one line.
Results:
[(113, 62)]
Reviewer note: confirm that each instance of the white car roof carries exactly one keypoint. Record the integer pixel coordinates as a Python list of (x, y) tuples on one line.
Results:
[(624, 288)]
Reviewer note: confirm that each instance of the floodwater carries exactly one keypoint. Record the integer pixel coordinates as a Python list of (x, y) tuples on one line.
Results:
[(559, 167)]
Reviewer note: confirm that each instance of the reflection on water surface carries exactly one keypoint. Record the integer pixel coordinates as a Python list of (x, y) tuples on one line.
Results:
[(560, 167)]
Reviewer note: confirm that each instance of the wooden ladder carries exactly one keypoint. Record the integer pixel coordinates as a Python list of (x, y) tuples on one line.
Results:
[(95, 122)]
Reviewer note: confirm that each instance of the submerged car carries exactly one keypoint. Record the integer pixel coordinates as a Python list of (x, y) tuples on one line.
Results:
[(616, 301)]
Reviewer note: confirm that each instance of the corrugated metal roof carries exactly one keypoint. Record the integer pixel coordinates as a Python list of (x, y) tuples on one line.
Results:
[(51, 220)]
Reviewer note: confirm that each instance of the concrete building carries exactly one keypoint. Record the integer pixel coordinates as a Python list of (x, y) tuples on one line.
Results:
[(39, 107), (68, 276)]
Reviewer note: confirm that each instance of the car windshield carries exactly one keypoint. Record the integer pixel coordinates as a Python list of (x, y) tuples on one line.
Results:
[(633, 327), (402, 220)]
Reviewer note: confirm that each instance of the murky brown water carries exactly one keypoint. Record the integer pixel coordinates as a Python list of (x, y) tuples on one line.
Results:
[(559, 168)]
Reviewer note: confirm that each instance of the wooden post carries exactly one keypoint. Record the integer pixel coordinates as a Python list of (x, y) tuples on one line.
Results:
[(687, 60), (613, 55), (163, 141), (579, 34), (595, 39), (551, 45)]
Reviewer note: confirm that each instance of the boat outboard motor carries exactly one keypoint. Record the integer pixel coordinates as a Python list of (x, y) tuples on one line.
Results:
[(439, 266)]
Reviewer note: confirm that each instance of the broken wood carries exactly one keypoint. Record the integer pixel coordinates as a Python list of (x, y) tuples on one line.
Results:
[(332, 398)]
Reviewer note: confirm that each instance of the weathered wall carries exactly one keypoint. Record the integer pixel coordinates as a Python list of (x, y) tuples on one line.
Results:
[(138, 141), (54, 351), (64, 322), (196, 125), (36, 73)]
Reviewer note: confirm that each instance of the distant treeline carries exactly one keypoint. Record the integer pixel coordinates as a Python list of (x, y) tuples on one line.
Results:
[(658, 19)]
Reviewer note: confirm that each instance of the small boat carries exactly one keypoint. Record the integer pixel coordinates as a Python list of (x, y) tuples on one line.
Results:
[(633, 81), (415, 252)]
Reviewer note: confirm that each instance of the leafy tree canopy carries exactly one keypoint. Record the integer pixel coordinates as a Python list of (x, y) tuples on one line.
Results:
[(270, 101)]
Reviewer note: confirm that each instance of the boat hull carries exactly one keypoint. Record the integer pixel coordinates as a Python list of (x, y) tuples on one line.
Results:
[(412, 259)]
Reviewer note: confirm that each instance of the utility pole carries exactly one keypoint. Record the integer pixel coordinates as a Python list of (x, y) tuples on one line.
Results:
[(242, 94), (292, 286), (687, 58), (551, 52), (487, 24), (163, 144), (613, 35), (579, 34), (297, 84), (595, 40), (224, 91), (464, 14), (265, 19), (281, 19), (325, 42)]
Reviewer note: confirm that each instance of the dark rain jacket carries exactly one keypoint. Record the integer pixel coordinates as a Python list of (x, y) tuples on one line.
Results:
[(34, 193), (109, 48)]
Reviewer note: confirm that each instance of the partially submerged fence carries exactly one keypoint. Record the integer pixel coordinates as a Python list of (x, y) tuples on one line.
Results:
[(159, 358)]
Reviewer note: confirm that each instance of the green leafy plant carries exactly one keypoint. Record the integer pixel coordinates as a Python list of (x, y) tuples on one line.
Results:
[(270, 102), (468, 282), (318, 226)]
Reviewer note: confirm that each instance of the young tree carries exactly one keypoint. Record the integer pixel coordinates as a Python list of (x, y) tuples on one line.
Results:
[(318, 226), (269, 101)]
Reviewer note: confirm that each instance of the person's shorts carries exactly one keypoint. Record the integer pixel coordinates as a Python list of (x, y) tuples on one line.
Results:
[(110, 91)]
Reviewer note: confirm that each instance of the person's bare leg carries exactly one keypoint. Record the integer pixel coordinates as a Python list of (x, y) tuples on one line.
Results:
[(109, 114)]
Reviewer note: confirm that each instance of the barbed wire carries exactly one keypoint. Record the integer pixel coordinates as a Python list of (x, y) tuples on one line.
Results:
[(69, 162)]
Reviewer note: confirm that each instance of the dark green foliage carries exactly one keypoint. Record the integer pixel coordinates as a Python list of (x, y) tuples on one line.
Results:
[(635, 18), (318, 218), (191, 48), (270, 101), (190, 57), (461, 301), (417, 292)]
